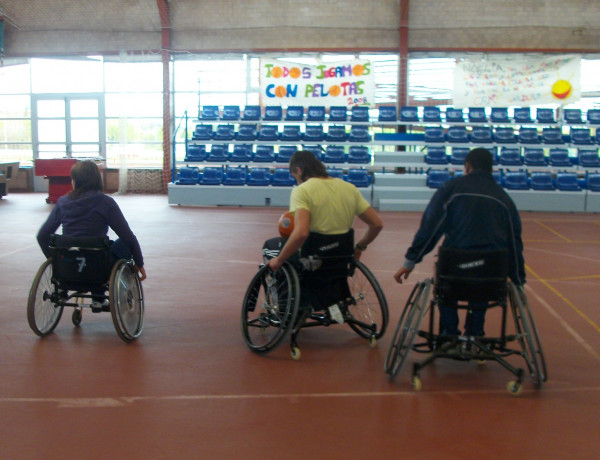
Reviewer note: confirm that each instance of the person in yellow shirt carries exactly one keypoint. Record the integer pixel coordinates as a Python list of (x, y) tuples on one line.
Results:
[(326, 205)]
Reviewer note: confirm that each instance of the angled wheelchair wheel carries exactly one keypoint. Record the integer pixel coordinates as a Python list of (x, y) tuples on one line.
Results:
[(43, 314), (408, 326), (126, 299), (270, 307), (527, 335), (369, 310)]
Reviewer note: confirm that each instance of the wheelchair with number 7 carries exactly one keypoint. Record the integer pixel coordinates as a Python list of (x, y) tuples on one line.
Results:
[(469, 279), (323, 286), (80, 274)]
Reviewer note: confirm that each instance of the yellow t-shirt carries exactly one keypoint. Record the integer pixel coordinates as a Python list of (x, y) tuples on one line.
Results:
[(332, 204)]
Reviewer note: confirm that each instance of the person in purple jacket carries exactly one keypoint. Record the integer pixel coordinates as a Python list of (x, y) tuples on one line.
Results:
[(87, 211)]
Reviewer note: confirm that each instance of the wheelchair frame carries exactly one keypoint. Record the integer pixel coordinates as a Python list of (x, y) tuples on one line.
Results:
[(271, 308), (466, 348), (50, 292)]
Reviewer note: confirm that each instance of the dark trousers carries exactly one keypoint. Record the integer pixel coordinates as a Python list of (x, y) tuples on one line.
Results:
[(473, 323)]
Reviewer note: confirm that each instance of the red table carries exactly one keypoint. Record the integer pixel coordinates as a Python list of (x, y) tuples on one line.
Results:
[(58, 172)]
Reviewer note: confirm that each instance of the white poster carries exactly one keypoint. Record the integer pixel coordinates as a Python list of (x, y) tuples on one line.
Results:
[(517, 81), (346, 83)]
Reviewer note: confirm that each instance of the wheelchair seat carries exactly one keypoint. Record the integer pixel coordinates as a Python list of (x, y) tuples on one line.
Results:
[(78, 274)]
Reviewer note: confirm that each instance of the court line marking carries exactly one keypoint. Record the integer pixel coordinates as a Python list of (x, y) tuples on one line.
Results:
[(86, 403), (17, 250), (555, 253), (552, 230), (564, 299)]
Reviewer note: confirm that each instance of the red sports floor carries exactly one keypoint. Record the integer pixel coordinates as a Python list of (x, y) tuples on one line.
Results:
[(190, 389)]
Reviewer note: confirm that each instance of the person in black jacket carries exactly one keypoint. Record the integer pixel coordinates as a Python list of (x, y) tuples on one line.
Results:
[(471, 212)]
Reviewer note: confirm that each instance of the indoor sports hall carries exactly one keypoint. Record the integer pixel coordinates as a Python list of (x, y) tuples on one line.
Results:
[(191, 110)]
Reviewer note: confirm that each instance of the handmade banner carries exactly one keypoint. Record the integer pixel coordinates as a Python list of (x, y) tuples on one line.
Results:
[(517, 81), (346, 83)]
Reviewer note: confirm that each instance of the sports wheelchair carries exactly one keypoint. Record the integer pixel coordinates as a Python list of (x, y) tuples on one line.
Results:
[(80, 269), (323, 286), (479, 278)]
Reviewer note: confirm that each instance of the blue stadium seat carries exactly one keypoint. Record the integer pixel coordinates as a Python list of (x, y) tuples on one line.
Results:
[(552, 136), (593, 116), (522, 115), (313, 133), (290, 133), (559, 157), (481, 135), (541, 180), (359, 113), (252, 112), (477, 115), (315, 113), (358, 177), (516, 180), (457, 173), (316, 150), (359, 154), (264, 154), (259, 177), (211, 175), (499, 115), (581, 136), (505, 136), (408, 113), (598, 136), (336, 172), (224, 133), (268, 133), (510, 156), (246, 132), (497, 175), (458, 155), (572, 116), (454, 115), (534, 157), (387, 113), (282, 178), (432, 114), (593, 182), (436, 156), (188, 176), (202, 132), (234, 176), (209, 112), (336, 133), (231, 113), (294, 113), (195, 153), (273, 113), (241, 153), (218, 153), (545, 116), (567, 182), (334, 154), (529, 136), (434, 134), (359, 133), (285, 153), (457, 134), (338, 113), (437, 177), (589, 158)]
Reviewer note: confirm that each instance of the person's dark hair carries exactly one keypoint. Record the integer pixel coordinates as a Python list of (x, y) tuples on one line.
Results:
[(308, 163), (86, 177), (480, 159)]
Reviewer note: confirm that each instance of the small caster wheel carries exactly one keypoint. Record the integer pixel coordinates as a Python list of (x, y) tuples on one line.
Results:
[(76, 316), (295, 353), (416, 383), (372, 341), (514, 387)]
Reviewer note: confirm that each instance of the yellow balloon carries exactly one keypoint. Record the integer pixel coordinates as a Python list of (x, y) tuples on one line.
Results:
[(561, 89)]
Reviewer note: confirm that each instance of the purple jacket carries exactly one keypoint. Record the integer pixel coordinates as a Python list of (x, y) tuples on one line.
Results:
[(91, 214)]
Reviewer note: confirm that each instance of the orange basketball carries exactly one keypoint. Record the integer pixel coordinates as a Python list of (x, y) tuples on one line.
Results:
[(286, 224)]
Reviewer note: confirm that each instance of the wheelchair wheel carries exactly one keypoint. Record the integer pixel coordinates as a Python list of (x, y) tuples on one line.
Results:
[(370, 310), (126, 299), (270, 307), (527, 335), (408, 326), (42, 313)]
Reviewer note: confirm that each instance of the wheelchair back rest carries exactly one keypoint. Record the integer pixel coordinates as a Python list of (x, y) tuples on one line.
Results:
[(471, 275), (79, 263), (333, 251)]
